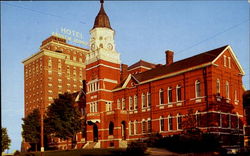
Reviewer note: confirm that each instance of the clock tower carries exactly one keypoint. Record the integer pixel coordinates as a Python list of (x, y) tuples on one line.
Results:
[(102, 76)]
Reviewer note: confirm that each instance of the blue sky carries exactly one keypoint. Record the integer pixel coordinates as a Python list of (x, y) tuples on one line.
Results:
[(144, 30)]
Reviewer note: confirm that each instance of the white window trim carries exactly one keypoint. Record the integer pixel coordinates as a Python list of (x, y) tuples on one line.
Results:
[(160, 102), (170, 89), (196, 82)]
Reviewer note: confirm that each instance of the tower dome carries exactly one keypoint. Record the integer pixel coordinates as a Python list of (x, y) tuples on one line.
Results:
[(102, 20)]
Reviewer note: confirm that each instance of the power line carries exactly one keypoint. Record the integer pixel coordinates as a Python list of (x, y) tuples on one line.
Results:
[(40, 12), (213, 36)]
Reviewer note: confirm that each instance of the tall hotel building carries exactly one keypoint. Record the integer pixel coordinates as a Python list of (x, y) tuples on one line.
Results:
[(57, 68)]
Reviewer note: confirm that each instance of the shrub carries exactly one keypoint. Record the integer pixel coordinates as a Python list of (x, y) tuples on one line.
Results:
[(136, 148)]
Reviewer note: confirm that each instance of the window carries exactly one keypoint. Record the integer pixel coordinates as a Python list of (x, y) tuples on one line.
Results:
[(178, 93), (170, 97), (235, 95), (170, 123), (123, 104), (143, 100), (149, 125), (218, 86), (197, 88), (108, 106), (118, 104), (161, 96), (179, 122), (93, 107), (144, 126), (131, 125), (149, 99), (229, 62), (136, 127), (111, 128), (135, 103), (162, 124), (225, 60), (130, 103), (227, 90)]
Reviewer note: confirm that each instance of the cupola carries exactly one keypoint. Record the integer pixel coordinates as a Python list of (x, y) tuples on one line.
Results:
[(102, 20)]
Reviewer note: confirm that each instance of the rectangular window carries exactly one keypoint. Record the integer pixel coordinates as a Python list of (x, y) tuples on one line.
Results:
[(131, 128), (136, 127), (143, 99), (149, 99), (149, 126), (123, 104), (170, 123), (178, 93), (225, 60), (229, 62), (179, 126), (161, 97), (135, 103), (170, 97), (161, 124), (144, 126), (130, 103), (118, 104)]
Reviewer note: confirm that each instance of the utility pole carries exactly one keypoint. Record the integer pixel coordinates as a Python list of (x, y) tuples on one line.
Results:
[(42, 131)]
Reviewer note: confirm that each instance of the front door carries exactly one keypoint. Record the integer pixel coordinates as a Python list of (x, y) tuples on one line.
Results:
[(95, 133)]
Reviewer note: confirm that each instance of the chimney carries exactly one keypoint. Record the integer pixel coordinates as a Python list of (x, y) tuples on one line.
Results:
[(169, 57), (124, 71)]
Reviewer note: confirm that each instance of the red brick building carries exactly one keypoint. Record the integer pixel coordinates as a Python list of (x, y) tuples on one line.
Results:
[(128, 103)]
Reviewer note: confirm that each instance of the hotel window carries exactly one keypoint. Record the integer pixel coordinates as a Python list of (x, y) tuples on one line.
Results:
[(162, 124), (170, 97), (149, 99), (179, 121), (135, 103), (50, 98), (178, 93), (225, 60), (229, 62), (118, 104), (50, 91), (123, 104), (227, 90), (197, 88), (50, 85), (144, 126), (143, 100), (161, 96), (218, 87), (130, 103), (131, 125), (149, 125), (170, 123)]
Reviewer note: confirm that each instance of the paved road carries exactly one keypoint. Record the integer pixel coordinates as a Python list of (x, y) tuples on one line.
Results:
[(160, 152)]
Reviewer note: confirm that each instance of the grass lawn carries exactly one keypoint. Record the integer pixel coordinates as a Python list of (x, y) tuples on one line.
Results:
[(80, 152)]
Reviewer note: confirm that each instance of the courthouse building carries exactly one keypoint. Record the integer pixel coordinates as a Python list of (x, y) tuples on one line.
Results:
[(126, 103)]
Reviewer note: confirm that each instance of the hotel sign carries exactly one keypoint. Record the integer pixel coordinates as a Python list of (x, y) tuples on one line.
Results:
[(71, 36)]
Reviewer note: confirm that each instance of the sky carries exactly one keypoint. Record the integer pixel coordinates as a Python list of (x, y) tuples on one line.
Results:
[(143, 30)]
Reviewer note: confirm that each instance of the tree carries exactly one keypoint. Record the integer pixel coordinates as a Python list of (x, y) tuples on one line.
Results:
[(190, 123), (63, 120), (32, 128), (5, 139)]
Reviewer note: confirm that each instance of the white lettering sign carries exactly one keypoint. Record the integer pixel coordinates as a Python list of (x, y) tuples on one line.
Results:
[(71, 36)]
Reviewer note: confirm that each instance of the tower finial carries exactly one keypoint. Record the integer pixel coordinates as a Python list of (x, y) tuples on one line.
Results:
[(101, 1)]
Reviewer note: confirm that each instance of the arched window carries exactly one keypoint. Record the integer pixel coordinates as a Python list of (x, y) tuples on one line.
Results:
[(136, 127), (149, 125), (144, 126), (131, 128), (178, 93), (111, 128), (170, 97), (148, 99), (197, 88), (218, 86), (123, 104), (227, 89), (161, 96)]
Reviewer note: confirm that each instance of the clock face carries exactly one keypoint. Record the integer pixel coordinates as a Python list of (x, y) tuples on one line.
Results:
[(110, 46), (93, 47)]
